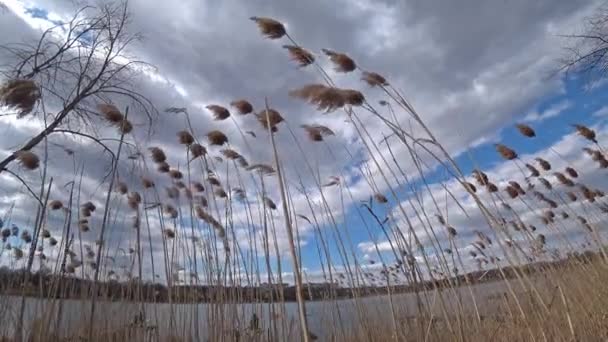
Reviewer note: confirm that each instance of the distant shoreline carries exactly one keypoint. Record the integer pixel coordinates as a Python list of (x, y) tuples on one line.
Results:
[(57, 287)]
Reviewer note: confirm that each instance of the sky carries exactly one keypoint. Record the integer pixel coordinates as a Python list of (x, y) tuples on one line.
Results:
[(472, 69)]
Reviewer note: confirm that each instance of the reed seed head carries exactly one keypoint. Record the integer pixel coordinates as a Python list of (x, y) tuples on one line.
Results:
[(55, 205), (163, 167), (571, 172), (197, 150), (176, 174), (342, 63), (270, 28), (185, 138), (586, 132), (506, 152), (269, 118), (28, 159), (526, 130), (545, 165), (374, 79), (217, 138), (269, 203), (219, 112), (300, 55), (243, 107), (158, 155), (21, 95)]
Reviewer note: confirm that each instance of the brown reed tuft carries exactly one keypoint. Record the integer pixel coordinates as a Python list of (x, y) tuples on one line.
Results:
[(133, 200), (587, 193), (46, 234), (217, 138), (158, 155), (269, 118), (470, 187), (586, 132), (169, 233), (545, 165), (328, 99), (170, 211), (125, 127), (545, 183), (243, 107), (175, 174), (179, 184), (511, 191), (572, 196), (563, 179), (21, 95), (262, 168), (373, 79), (219, 112), (571, 172), (517, 187), (185, 138), (230, 154), (534, 172), (342, 63), (83, 225), (380, 198), (219, 192), (110, 113), (269, 203), (197, 150), (451, 231), (198, 187), (491, 187), (147, 183), (506, 152), (55, 205), (317, 132), (300, 55), (270, 28), (480, 177), (526, 130), (213, 181), (239, 194), (28, 159), (52, 241)]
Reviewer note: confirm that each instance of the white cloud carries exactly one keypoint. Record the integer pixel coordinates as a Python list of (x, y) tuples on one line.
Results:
[(548, 113)]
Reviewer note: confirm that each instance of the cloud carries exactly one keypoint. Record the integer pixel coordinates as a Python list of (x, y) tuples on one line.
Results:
[(549, 113)]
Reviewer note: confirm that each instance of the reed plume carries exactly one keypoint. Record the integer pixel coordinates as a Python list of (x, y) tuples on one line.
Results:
[(217, 138), (506, 152), (526, 130), (185, 138), (219, 112), (55, 205), (243, 107), (158, 155), (342, 63), (28, 159), (545, 165), (21, 95), (300, 55), (269, 118), (373, 79), (270, 28), (585, 132)]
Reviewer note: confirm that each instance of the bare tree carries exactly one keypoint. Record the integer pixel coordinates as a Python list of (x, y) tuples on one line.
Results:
[(587, 53), (74, 66)]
